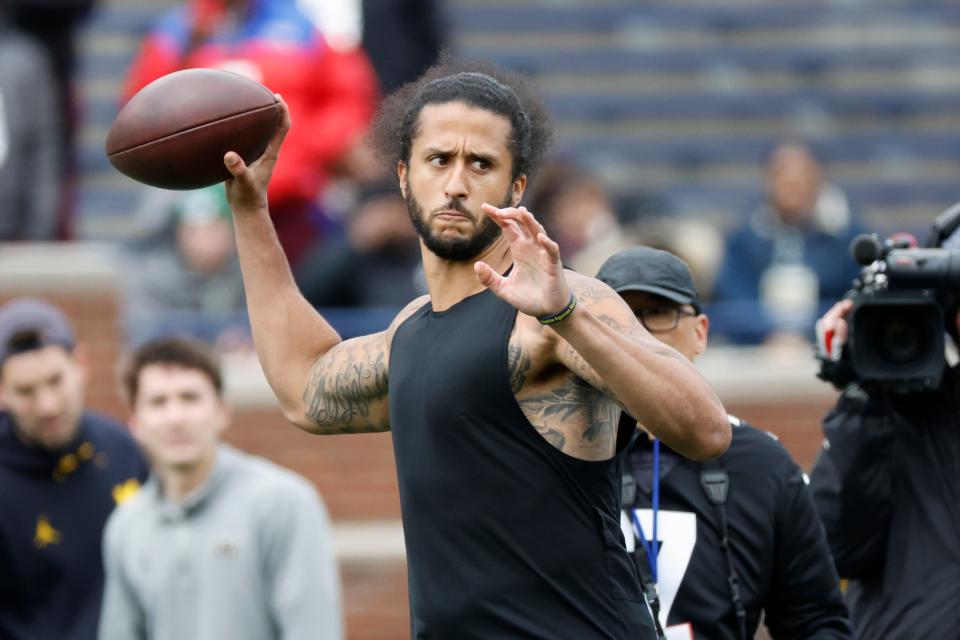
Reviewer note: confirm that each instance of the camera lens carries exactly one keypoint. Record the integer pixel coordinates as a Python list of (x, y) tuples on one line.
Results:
[(901, 342)]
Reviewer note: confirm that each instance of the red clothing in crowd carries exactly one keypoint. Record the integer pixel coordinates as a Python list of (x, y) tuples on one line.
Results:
[(331, 94)]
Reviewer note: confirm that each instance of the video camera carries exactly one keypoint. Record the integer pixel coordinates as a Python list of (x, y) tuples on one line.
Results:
[(897, 322)]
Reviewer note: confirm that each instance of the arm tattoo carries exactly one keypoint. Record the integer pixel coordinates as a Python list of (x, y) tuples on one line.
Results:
[(593, 414), (627, 330), (591, 292), (554, 437), (342, 386), (604, 419), (518, 364), (582, 369)]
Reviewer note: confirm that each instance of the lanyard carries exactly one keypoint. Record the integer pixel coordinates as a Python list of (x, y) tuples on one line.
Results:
[(651, 548)]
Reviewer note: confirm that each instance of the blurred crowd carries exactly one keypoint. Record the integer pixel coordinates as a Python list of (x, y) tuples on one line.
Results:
[(762, 278), (335, 205)]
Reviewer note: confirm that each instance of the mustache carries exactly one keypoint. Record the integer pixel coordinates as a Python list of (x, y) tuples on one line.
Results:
[(453, 205)]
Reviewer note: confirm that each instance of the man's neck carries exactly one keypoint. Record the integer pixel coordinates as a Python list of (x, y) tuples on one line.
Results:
[(450, 281), (178, 482)]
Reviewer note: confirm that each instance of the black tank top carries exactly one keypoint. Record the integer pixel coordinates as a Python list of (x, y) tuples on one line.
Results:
[(506, 536)]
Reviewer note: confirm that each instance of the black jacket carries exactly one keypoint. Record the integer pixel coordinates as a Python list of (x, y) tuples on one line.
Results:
[(778, 545), (887, 484), (53, 506)]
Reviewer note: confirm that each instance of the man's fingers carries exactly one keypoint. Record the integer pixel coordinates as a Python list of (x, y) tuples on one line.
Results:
[(553, 249), (239, 169), (842, 332), (507, 224), (234, 164), (842, 329), (490, 209), (838, 310), (832, 329), (510, 220), (837, 313), (531, 223), (507, 213), (487, 275), (512, 230), (522, 220), (535, 229), (273, 147)]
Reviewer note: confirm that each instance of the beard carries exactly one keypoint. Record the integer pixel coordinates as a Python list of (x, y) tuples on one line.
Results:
[(456, 249)]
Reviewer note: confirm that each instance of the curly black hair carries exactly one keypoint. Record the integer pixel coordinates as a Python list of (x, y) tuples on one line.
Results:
[(478, 84)]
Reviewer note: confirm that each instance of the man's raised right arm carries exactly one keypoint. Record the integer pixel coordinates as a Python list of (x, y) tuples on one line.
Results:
[(323, 385), (347, 390)]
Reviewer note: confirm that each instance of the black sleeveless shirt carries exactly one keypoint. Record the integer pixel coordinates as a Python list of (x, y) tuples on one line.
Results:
[(506, 536)]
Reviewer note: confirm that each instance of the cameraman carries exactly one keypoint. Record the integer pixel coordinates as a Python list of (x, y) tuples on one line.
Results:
[(887, 485)]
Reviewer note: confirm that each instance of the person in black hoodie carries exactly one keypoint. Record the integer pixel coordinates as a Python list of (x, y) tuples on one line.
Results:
[(62, 471), (738, 536)]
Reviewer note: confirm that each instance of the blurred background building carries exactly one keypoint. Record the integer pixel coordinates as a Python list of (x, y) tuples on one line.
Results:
[(680, 104), (669, 111)]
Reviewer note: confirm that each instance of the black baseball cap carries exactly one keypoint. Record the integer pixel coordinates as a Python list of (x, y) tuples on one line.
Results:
[(29, 323), (651, 270)]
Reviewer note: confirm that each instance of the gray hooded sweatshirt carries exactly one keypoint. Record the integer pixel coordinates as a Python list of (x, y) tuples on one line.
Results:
[(246, 556)]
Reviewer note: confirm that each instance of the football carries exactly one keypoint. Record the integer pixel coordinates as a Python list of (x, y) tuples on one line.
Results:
[(174, 132)]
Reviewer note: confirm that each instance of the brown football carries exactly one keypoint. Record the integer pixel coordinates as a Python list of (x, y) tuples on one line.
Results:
[(174, 132)]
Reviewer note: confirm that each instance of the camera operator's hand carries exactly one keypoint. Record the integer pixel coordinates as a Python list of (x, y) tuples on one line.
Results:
[(833, 331)]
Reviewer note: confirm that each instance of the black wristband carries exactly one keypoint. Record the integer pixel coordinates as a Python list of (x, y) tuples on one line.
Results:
[(562, 315)]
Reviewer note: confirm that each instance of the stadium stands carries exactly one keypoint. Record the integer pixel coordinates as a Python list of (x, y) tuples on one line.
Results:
[(681, 98)]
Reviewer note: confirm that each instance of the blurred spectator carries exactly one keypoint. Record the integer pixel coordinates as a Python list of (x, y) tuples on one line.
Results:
[(695, 241), (403, 38), (331, 94), (182, 274), (219, 544), (744, 538), (54, 24), (62, 471), (592, 222), (339, 20), (791, 253), (578, 211), (30, 142), (378, 266)]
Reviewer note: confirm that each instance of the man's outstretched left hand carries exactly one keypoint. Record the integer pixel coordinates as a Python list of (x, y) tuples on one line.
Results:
[(536, 285)]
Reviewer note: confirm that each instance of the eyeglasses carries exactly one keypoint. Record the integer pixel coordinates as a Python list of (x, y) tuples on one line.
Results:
[(660, 319)]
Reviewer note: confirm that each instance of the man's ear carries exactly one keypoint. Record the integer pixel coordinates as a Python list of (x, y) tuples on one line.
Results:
[(226, 417), (702, 332), (517, 189), (82, 360), (133, 423), (402, 176)]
